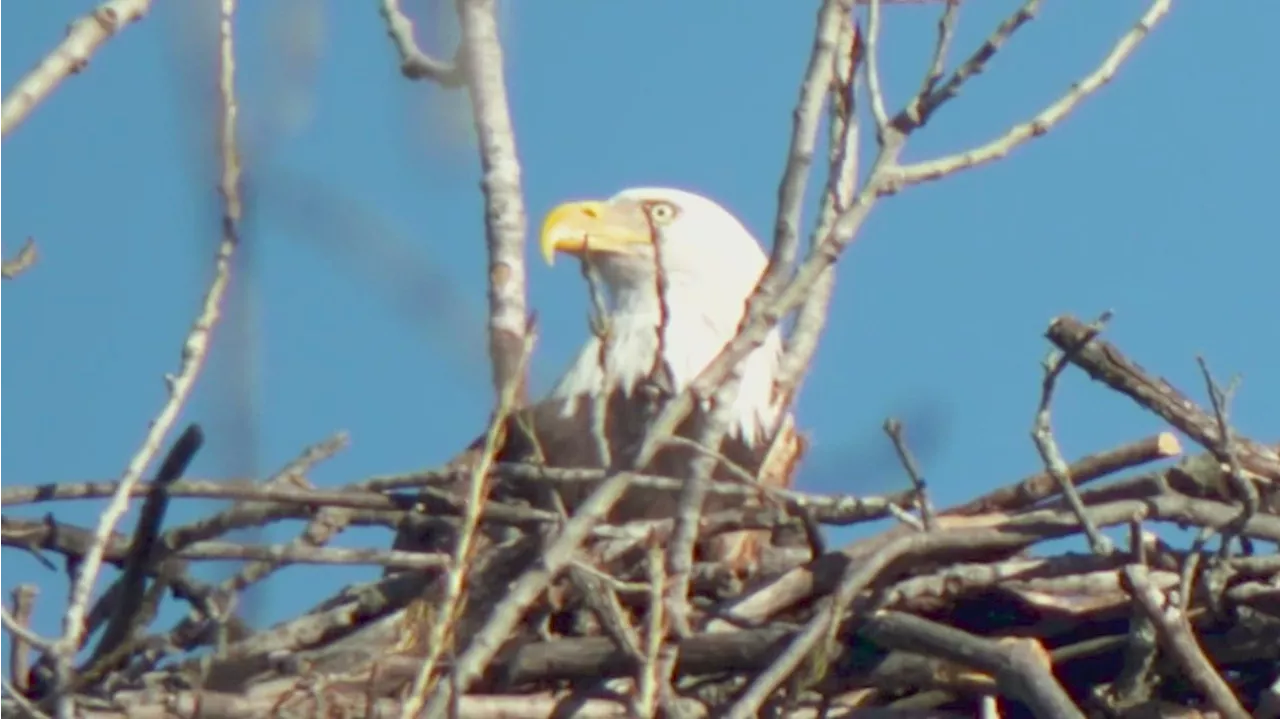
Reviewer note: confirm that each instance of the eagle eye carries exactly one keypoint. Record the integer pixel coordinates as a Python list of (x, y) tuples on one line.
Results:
[(661, 212)]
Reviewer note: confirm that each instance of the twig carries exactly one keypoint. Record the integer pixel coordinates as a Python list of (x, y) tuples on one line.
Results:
[(842, 182), (414, 63), (1047, 446), (319, 530), (507, 613), (833, 15), (931, 98), (1044, 121), (505, 221), (1220, 400), (1019, 666), (1041, 486), (194, 352), (937, 66), (872, 41), (1176, 637), (893, 428), (652, 678), (31, 710), (20, 647), (26, 257), (84, 37), (126, 616), (447, 615), (18, 628), (1107, 364)]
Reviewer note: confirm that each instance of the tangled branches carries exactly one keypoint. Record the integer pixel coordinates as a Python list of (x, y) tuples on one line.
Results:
[(932, 619)]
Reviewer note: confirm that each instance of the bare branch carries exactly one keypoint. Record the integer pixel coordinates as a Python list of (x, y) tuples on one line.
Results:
[(872, 41), (24, 604), (414, 63), (446, 617), (83, 39), (194, 352), (505, 221), (833, 15), (1051, 455), (1175, 636), (1043, 122), (26, 257)]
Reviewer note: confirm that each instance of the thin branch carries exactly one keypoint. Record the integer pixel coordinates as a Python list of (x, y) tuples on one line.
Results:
[(842, 182), (1177, 639), (893, 428), (327, 522), (83, 39), (1107, 364), (1043, 122), (1220, 400), (1051, 455), (833, 16), (524, 591), (24, 604), (929, 99), (194, 352), (126, 616), (505, 221), (946, 31), (872, 41), (414, 63), (1038, 487), (26, 257), (448, 613)]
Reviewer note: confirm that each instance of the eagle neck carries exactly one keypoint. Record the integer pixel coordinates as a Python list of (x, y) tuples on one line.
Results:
[(691, 340)]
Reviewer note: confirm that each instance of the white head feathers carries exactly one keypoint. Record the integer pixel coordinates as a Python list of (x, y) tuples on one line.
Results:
[(710, 263)]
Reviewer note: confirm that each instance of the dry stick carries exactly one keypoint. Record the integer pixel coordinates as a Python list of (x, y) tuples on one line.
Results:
[(818, 79), (893, 428), (842, 182), (31, 710), (1041, 486), (1047, 446), (505, 223), (1020, 667), (766, 308), (26, 257), (649, 686), (319, 530), (414, 63), (20, 646), (84, 37), (946, 31), (1177, 639), (1105, 363), (525, 590), (464, 552), (878, 112), (128, 615), (1132, 685), (931, 98), (1039, 125), (1220, 400), (194, 352), (833, 15), (856, 577)]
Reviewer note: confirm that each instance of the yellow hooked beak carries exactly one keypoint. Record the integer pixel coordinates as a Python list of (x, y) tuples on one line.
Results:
[(576, 228)]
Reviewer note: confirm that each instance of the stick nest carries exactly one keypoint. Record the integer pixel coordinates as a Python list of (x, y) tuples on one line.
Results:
[(946, 613)]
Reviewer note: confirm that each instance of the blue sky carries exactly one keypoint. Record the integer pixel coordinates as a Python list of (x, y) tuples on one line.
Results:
[(361, 306)]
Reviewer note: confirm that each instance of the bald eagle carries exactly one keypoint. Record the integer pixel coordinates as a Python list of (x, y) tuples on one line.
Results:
[(710, 264)]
